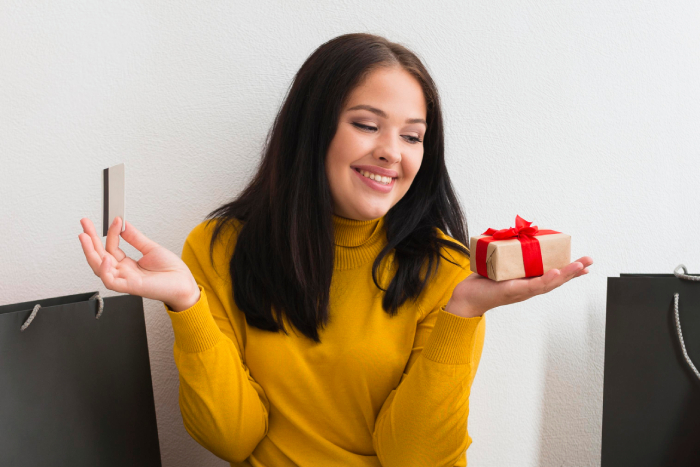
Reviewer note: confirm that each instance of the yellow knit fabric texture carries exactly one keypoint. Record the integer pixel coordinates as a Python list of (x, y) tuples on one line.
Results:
[(378, 390)]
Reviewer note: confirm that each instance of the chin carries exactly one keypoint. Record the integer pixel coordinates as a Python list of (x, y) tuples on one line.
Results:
[(373, 212)]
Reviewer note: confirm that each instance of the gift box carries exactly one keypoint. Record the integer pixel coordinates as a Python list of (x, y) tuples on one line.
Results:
[(520, 251)]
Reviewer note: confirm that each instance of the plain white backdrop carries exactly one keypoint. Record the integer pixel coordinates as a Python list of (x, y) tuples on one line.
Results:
[(583, 117)]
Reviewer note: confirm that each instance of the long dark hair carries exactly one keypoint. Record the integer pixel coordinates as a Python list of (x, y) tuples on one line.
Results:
[(284, 253)]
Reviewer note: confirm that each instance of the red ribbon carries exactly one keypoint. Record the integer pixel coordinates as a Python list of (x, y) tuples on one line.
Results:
[(525, 233)]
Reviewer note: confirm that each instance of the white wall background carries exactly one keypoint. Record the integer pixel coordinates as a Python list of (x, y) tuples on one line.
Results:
[(583, 117)]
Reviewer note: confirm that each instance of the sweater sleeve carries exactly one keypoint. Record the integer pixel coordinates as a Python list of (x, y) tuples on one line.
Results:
[(223, 408), (423, 422)]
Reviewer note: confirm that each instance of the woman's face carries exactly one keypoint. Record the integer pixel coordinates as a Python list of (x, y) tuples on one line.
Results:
[(392, 140)]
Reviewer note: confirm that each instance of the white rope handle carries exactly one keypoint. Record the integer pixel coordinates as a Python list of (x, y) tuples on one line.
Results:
[(31, 317), (685, 276), (97, 297), (101, 306)]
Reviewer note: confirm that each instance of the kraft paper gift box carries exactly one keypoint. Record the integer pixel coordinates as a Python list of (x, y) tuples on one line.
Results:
[(520, 251)]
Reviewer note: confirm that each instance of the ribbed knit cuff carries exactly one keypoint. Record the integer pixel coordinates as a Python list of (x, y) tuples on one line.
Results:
[(194, 328), (452, 339)]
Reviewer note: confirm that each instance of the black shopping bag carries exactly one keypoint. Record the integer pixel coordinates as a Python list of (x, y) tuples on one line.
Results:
[(75, 383), (651, 390)]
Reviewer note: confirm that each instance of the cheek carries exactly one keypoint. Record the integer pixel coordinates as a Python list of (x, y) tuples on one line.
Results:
[(332, 157), (341, 150), (412, 166), (337, 166)]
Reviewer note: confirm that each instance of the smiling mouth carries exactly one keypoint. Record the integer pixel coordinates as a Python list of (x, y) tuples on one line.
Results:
[(360, 172), (375, 185)]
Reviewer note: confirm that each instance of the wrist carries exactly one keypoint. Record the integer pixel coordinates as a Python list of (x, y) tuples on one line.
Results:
[(463, 310), (188, 302)]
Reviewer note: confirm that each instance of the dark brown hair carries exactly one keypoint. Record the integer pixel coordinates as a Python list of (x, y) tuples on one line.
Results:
[(284, 254)]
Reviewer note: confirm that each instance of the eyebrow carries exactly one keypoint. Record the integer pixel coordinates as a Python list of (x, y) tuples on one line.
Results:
[(383, 114)]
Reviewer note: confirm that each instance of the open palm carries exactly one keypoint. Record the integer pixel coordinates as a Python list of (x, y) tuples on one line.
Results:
[(159, 274), (481, 294)]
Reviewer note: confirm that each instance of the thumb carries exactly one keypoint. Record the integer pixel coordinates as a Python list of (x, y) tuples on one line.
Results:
[(136, 239)]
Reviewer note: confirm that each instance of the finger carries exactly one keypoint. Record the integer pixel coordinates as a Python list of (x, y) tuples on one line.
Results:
[(548, 281), (531, 286), (138, 240), (571, 269), (556, 277), (90, 230), (585, 260), (112, 244), (91, 255), (551, 280), (569, 272)]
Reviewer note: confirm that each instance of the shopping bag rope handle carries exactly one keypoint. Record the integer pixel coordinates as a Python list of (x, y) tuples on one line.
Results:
[(678, 320), (37, 306)]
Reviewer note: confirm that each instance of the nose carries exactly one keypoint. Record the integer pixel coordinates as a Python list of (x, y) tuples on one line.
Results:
[(388, 149)]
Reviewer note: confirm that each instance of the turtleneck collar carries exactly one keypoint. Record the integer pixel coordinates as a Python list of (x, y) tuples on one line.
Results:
[(357, 242)]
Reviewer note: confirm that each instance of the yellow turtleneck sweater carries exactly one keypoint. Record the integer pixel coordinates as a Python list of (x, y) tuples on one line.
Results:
[(377, 391)]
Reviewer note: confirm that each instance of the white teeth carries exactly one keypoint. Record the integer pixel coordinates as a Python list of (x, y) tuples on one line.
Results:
[(376, 178)]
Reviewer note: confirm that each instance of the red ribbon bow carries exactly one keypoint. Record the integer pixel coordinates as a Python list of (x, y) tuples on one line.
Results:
[(525, 233)]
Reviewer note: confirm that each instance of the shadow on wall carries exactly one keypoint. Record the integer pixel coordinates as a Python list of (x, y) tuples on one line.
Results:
[(572, 404)]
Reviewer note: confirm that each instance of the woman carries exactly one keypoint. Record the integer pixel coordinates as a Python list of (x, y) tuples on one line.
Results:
[(341, 236)]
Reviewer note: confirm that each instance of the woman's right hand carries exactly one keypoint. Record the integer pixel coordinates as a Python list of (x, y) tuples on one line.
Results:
[(159, 274)]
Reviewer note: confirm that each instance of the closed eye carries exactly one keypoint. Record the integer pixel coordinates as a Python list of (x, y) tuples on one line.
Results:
[(411, 139)]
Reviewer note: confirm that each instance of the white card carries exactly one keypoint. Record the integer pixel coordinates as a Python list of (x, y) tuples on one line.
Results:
[(113, 196)]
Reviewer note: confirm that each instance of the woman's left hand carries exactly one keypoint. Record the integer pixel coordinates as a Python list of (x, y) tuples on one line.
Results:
[(476, 294)]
